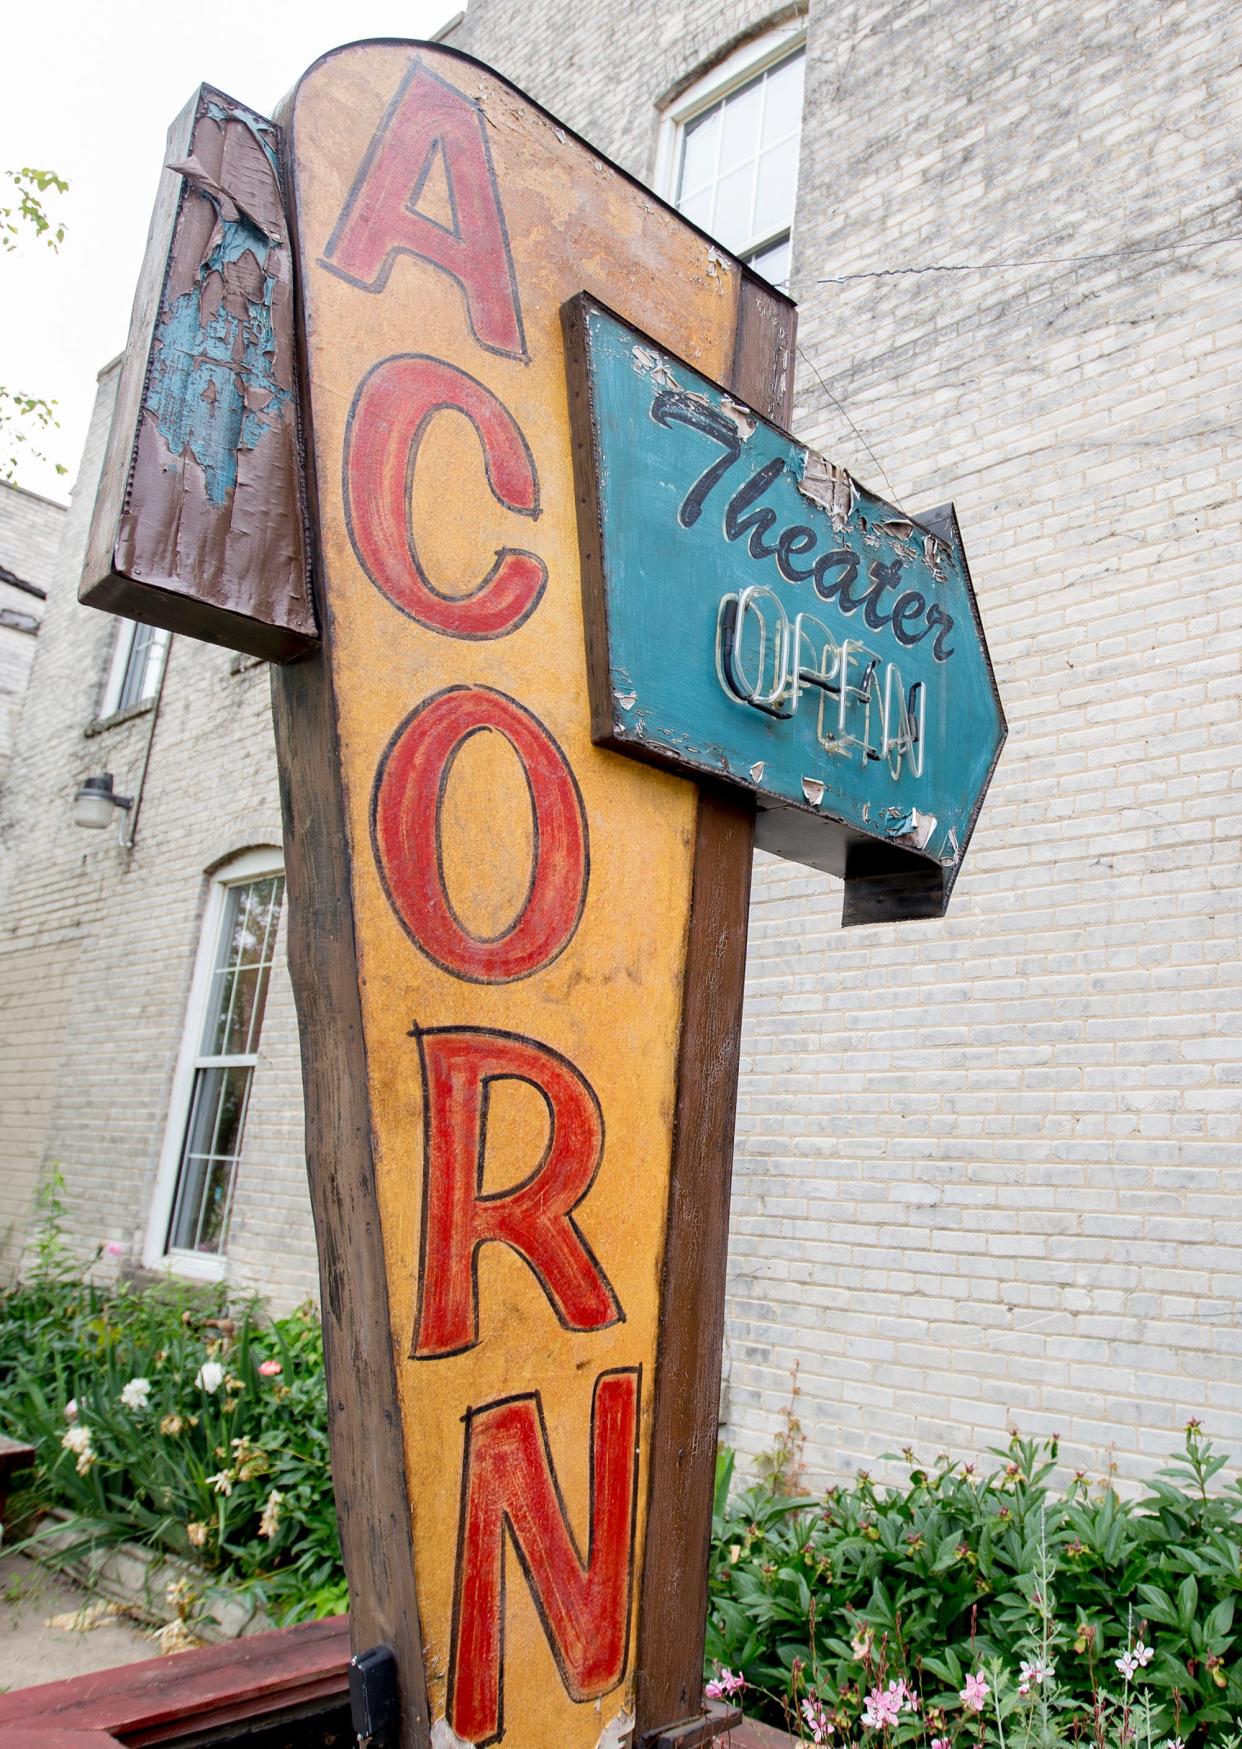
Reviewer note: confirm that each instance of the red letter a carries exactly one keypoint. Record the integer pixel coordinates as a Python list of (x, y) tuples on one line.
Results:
[(508, 1483), (380, 219), (535, 1216)]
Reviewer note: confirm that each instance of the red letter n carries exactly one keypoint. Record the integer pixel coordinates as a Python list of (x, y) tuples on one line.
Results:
[(508, 1483), (534, 1216), (381, 218)]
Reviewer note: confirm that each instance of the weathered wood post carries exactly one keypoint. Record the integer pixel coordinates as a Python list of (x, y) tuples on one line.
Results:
[(548, 524)]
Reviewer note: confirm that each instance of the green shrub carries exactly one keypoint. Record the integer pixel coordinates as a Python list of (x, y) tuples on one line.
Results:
[(163, 1417), (837, 1612)]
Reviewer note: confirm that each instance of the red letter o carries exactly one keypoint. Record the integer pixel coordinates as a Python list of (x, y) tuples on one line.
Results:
[(405, 832)]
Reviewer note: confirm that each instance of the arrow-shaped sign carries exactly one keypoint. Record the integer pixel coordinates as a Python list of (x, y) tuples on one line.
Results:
[(755, 615)]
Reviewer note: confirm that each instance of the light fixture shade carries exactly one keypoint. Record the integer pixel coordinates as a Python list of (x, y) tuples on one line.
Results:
[(94, 805)]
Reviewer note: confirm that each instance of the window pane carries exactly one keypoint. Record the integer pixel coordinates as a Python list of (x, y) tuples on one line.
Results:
[(731, 221), (698, 207), (142, 666), (698, 158), (212, 1145), (782, 110), (739, 159), (774, 263), (241, 971), (743, 114), (239, 982), (774, 197)]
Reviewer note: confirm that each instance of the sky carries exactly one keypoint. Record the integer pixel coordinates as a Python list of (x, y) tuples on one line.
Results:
[(90, 88)]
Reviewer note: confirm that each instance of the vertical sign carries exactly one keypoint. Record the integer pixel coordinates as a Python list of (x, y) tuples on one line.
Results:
[(517, 956)]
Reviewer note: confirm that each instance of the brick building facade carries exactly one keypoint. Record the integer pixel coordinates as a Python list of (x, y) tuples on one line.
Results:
[(30, 530), (986, 1167)]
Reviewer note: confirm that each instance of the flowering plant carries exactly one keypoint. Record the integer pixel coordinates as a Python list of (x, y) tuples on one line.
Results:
[(165, 1418), (963, 1608)]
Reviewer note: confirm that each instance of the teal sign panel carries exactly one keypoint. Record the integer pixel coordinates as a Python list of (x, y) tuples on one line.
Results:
[(756, 616)]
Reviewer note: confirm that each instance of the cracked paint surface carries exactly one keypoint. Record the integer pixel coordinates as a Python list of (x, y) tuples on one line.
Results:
[(213, 390)]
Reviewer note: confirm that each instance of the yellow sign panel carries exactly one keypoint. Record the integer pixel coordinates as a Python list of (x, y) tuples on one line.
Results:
[(520, 898)]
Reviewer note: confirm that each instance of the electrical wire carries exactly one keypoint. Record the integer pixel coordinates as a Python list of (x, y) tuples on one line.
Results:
[(814, 369), (1033, 261)]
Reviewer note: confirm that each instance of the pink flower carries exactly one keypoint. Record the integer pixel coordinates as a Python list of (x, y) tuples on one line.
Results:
[(817, 1722), (270, 1369), (940, 1743), (885, 1705), (1035, 1671), (114, 1248), (725, 1685), (975, 1692)]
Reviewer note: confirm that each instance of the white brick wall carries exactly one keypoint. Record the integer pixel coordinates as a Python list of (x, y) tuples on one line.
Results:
[(30, 530), (97, 944), (986, 1167)]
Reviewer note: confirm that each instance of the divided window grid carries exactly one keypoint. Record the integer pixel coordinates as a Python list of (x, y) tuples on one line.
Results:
[(737, 166), (136, 665), (224, 1067)]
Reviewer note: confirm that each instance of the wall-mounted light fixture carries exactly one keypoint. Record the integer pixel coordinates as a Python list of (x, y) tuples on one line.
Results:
[(95, 800)]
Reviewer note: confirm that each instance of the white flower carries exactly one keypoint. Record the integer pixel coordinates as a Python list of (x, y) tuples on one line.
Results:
[(1142, 1654), (271, 1514), (71, 1409), (78, 1440), (209, 1377), (1127, 1665), (1036, 1671), (222, 1481), (136, 1394)]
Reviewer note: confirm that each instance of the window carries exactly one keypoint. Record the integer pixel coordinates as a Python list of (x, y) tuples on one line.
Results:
[(137, 662), (729, 151), (203, 1144)]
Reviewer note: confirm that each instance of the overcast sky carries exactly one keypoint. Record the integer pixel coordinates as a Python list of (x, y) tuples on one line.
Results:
[(90, 88)]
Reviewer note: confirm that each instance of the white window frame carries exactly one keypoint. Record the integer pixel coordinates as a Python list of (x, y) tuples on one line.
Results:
[(202, 1266), (721, 80), (110, 703)]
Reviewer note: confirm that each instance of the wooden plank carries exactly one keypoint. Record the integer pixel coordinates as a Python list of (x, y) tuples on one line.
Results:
[(382, 955), (364, 1420), (267, 1675), (199, 524), (673, 1610)]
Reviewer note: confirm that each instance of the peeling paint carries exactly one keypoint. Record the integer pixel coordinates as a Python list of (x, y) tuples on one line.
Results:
[(757, 770), (617, 1733), (912, 828), (627, 700), (813, 790), (830, 486), (263, 131), (443, 1736), (212, 389), (896, 528), (935, 552), (228, 206), (741, 416)]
